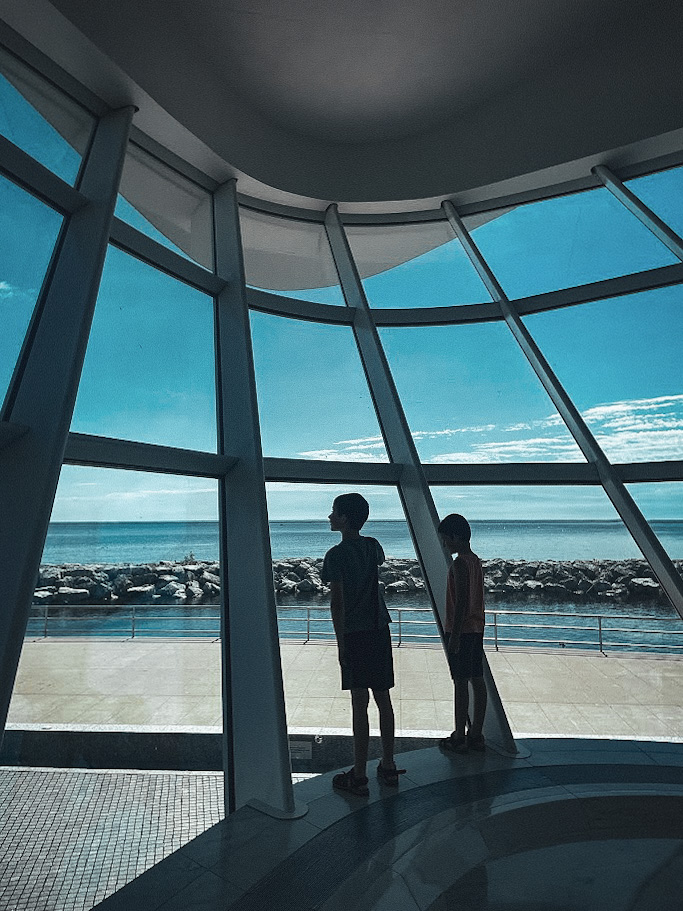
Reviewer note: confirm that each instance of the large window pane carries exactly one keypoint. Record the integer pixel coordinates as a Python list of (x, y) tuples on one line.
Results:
[(28, 232), (300, 537), (620, 361), (566, 241), (149, 368), (41, 120), (470, 396), (419, 265), (166, 206), (663, 193), (129, 574), (566, 585), (289, 257), (314, 402)]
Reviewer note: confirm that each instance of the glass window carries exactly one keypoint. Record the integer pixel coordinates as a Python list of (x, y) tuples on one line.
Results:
[(662, 192), (166, 206), (470, 396), (300, 536), (289, 257), (149, 371), (130, 564), (662, 505), (418, 265), (41, 120), (314, 402), (619, 359), (566, 241), (28, 232)]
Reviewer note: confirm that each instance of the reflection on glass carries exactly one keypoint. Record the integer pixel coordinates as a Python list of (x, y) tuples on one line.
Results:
[(562, 572), (130, 566), (619, 360), (419, 265), (166, 206), (289, 257), (662, 505), (149, 368), (41, 120), (28, 232), (662, 192), (470, 396), (566, 241), (314, 402)]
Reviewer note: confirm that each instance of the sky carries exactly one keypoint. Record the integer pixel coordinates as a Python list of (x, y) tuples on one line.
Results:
[(469, 394)]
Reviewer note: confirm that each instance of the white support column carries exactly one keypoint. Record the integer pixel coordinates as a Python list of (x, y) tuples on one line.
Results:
[(43, 389), (413, 489), (256, 748), (622, 500)]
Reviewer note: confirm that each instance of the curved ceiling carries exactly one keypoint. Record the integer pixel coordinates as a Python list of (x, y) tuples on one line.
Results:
[(350, 100)]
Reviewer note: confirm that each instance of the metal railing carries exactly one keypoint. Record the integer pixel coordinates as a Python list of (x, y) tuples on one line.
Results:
[(506, 629)]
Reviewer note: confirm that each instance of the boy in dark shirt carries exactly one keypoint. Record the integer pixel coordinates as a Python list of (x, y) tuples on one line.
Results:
[(361, 624)]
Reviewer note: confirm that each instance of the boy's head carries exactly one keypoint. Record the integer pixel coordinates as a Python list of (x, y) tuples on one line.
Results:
[(354, 508), (455, 529)]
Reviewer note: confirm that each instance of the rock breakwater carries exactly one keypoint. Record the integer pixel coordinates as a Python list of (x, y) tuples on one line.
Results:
[(198, 582)]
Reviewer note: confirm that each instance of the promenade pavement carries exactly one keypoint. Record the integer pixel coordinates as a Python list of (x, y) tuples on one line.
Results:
[(164, 683)]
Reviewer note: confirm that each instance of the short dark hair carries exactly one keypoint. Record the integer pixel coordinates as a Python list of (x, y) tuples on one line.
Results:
[(355, 507), (455, 526)]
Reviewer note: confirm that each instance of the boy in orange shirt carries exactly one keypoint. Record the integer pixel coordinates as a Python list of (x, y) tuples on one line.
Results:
[(464, 628)]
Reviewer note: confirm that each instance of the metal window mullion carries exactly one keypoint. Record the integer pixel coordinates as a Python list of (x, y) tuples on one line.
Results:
[(413, 489), (256, 748), (643, 213), (621, 499), (43, 389)]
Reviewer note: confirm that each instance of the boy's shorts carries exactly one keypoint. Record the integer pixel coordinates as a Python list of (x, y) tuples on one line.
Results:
[(368, 662), (469, 661)]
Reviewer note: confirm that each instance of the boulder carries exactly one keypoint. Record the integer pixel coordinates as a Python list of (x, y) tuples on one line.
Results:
[(67, 595)]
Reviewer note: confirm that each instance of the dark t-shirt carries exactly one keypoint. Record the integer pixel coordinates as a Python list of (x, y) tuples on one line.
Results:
[(354, 564)]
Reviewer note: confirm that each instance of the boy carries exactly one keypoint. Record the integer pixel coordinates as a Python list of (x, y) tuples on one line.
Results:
[(464, 629), (361, 624)]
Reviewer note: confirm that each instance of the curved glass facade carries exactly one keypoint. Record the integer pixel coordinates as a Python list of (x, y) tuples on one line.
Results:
[(464, 358)]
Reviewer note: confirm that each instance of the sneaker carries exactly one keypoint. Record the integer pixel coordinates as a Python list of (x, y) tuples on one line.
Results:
[(453, 744), (476, 743), (346, 781)]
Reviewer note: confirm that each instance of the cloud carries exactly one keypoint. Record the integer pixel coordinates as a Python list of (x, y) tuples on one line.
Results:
[(7, 290)]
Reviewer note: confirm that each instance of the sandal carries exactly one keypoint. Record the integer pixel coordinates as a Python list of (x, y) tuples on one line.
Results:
[(454, 744), (346, 781), (389, 776)]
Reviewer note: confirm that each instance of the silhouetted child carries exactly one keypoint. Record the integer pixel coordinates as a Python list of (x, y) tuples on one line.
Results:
[(361, 624), (464, 628)]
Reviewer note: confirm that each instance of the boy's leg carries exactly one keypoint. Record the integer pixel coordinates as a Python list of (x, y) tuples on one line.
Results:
[(386, 727), (360, 699), (479, 708), (462, 704)]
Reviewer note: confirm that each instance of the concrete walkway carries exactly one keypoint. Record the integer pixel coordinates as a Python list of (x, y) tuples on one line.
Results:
[(174, 684)]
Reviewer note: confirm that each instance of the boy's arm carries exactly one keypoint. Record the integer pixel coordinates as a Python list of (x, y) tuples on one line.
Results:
[(462, 593), (337, 611)]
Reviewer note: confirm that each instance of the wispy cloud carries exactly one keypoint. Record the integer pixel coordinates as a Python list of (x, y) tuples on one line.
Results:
[(7, 290), (630, 430)]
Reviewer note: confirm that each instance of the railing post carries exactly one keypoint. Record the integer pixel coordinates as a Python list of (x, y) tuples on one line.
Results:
[(495, 630), (600, 633), (132, 622), (308, 623), (400, 626), (45, 624)]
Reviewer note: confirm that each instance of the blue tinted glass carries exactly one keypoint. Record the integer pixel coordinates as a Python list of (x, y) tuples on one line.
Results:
[(470, 396), (663, 193), (28, 231), (149, 368), (620, 361), (567, 241)]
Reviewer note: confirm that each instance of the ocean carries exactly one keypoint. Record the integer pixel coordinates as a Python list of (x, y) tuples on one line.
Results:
[(511, 624), (149, 542)]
